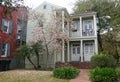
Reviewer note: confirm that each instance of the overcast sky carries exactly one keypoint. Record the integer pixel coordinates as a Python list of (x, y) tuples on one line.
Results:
[(64, 3)]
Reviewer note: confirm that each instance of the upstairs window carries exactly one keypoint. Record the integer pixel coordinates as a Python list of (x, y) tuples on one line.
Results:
[(6, 26), (44, 7), (88, 26), (75, 26), (4, 49)]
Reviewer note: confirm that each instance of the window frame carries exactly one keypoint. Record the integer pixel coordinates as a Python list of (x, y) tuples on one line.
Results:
[(6, 50), (75, 48), (87, 23), (8, 25)]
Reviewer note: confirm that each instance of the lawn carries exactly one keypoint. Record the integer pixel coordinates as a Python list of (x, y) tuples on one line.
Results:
[(28, 76)]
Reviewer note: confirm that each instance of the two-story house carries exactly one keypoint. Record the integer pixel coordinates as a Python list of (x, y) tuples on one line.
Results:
[(81, 30), (83, 37)]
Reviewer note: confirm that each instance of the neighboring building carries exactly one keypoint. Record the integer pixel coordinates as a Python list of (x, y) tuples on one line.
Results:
[(81, 30), (13, 23)]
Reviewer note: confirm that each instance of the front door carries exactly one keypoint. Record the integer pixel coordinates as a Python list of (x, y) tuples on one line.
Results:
[(88, 50), (75, 50)]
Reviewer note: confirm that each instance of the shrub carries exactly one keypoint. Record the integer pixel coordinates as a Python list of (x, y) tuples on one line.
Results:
[(65, 72), (103, 75), (102, 61), (118, 72)]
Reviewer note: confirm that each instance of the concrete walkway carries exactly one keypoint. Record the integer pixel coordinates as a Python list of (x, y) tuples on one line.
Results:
[(83, 76)]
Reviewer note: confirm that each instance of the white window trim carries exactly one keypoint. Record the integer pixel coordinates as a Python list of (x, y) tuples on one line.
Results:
[(6, 47), (8, 25)]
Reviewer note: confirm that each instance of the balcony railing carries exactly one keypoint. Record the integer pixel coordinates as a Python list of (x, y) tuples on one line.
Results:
[(88, 33)]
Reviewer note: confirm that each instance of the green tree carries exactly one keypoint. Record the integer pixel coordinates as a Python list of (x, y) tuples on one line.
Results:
[(11, 3), (111, 43), (38, 50), (28, 51)]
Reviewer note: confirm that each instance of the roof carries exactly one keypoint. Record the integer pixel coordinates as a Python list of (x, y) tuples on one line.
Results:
[(83, 14), (56, 6)]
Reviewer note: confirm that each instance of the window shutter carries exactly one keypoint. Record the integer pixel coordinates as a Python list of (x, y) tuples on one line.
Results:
[(8, 49), (10, 27), (0, 49), (3, 20)]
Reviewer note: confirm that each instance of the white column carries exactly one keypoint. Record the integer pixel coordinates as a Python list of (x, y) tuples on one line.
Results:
[(55, 57), (63, 48), (96, 46), (63, 43), (81, 50), (81, 26), (95, 26), (62, 21), (68, 51), (68, 28)]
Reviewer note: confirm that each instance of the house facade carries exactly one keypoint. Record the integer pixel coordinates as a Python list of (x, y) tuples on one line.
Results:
[(81, 30), (10, 33), (82, 37)]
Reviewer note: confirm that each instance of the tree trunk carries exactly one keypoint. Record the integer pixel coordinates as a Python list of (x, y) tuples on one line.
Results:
[(32, 63), (117, 55), (47, 56), (38, 59), (100, 41)]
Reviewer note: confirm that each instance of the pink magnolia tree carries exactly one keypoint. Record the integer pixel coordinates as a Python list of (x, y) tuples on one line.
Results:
[(50, 33)]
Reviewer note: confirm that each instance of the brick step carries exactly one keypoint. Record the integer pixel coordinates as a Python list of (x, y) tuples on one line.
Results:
[(79, 65)]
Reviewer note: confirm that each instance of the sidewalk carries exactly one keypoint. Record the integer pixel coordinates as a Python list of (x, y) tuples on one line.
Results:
[(83, 76)]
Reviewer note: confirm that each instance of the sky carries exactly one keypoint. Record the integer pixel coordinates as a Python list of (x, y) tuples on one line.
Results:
[(64, 3)]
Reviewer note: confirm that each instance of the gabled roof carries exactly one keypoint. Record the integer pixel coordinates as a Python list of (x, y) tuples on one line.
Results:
[(56, 7), (47, 3)]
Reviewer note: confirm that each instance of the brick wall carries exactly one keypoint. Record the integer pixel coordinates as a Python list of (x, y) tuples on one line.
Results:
[(79, 65)]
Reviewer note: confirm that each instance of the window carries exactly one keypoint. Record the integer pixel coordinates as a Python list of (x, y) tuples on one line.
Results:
[(76, 49), (89, 48), (77, 25), (6, 26), (44, 7), (87, 25), (4, 49)]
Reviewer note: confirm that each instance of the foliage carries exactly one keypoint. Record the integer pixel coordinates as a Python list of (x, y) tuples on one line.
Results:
[(111, 43), (28, 51), (102, 61), (65, 72), (102, 7), (11, 3), (118, 71), (103, 75)]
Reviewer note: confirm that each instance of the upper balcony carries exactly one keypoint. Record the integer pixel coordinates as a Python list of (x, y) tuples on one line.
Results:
[(83, 27)]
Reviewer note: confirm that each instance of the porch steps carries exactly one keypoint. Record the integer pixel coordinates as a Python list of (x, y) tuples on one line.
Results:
[(79, 65)]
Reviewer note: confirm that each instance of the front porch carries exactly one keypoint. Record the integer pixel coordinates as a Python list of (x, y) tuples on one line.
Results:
[(78, 51)]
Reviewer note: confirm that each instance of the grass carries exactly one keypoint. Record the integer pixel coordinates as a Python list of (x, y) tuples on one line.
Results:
[(28, 76)]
